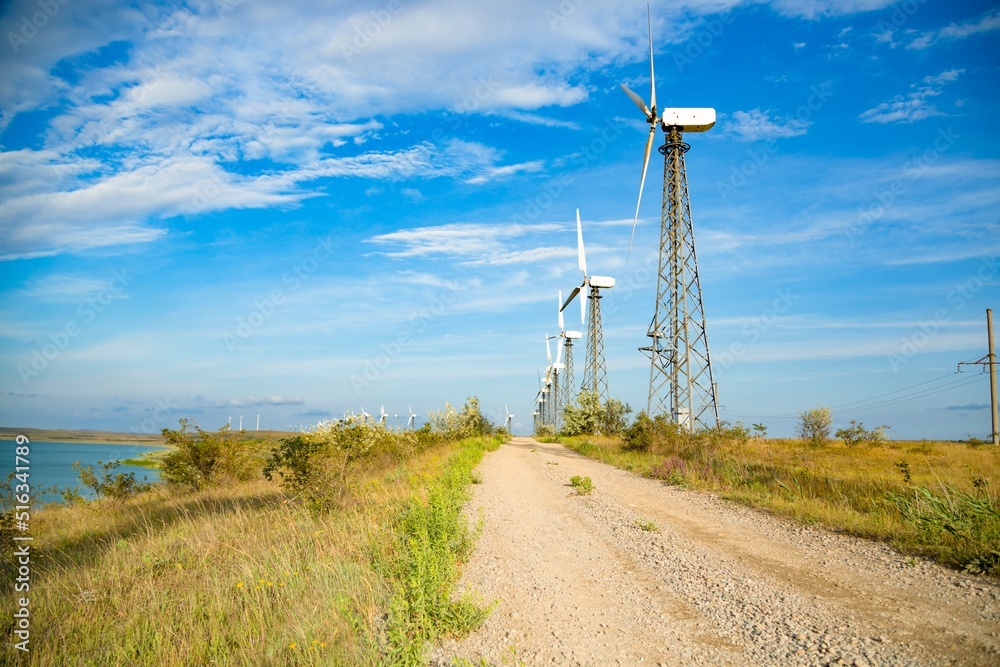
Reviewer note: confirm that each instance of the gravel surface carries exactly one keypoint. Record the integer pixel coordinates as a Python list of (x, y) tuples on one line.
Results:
[(641, 573)]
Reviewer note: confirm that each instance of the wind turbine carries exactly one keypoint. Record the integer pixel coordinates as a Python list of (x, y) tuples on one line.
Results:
[(413, 416), (510, 417), (595, 373), (383, 416), (680, 372), (566, 381), (539, 402)]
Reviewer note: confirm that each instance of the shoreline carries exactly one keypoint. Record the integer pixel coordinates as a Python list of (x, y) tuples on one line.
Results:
[(82, 437)]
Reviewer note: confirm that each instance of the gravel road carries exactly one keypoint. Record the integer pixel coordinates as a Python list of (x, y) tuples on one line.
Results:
[(641, 573)]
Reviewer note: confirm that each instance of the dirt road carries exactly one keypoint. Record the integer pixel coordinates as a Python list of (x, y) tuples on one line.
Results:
[(639, 573)]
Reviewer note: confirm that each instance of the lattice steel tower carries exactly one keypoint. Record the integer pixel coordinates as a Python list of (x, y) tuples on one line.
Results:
[(595, 372), (566, 387), (681, 383)]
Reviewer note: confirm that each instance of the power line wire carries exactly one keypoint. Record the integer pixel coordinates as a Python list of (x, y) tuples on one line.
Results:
[(948, 387), (930, 391), (862, 356)]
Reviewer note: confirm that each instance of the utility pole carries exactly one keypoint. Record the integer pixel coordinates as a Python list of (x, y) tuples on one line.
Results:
[(990, 361)]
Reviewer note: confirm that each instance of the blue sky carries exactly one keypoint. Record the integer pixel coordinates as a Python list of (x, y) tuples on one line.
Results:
[(232, 207)]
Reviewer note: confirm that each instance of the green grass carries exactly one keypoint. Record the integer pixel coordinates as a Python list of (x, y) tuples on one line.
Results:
[(245, 575), (648, 526), (144, 463), (945, 506), (583, 485)]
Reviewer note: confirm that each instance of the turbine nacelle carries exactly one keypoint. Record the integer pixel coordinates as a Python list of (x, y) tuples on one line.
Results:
[(688, 120), (573, 335), (601, 282)]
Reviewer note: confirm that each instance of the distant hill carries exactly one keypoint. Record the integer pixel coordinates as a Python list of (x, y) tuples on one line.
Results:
[(70, 435), (67, 435)]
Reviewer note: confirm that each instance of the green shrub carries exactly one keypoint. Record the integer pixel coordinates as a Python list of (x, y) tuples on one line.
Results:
[(469, 423), (589, 417), (314, 465), (814, 425), (583, 485), (544, 431), (204, 458), (118, 487), (648, 526), (856, 434)]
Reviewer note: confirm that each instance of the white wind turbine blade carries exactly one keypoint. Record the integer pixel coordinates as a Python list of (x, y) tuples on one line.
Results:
[(583, 308), (638, 100), (642, 184), (559, 350), (572, 295), (562, 325), (652, 118), (548, 350), (581, 255), (652, 74)]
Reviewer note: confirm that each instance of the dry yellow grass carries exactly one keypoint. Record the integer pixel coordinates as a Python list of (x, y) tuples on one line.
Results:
[(843, 488), (225, 576)]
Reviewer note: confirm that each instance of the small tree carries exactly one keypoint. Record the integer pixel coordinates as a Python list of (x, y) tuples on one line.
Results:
[(454, 425), (314, 465), (203, 458), (585, 417), (614, 417), (118, 487), (589, 417), (759, 431), (857, 434), (814, 425)]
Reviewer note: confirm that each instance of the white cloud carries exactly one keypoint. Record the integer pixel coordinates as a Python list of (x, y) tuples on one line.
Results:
[(913, 106), (812, 9), (529, 256), (987, 23), (496, 173), (200, 84), (475, 241), (68, 288), (755, 125)]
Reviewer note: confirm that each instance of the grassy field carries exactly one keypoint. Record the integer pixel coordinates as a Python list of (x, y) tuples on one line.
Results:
[(934, 499), (245, 574)]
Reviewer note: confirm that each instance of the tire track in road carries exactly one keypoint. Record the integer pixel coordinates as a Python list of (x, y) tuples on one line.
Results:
[(577, 581)]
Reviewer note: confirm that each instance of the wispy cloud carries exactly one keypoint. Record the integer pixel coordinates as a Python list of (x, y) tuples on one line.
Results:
[(812, 9), (524, 256), (913, 106), (68, 288), (987, 23), (755, 125), (477, 242), (497, 173)]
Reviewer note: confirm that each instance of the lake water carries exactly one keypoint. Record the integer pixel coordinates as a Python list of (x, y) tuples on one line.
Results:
[(51, 464)]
